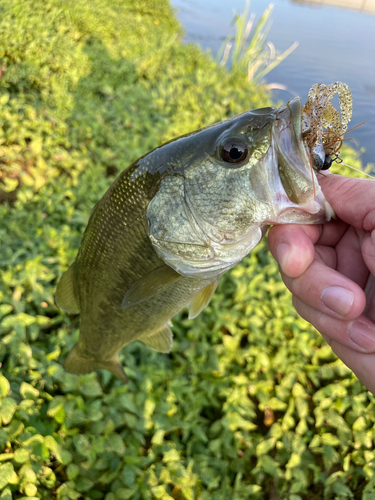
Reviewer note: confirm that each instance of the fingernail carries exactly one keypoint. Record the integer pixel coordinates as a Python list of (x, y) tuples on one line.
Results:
[(362, 335), (338, 299), (282, 254)]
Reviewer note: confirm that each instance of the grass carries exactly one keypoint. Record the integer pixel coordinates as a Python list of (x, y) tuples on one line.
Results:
[(248, 51), (251, 403)]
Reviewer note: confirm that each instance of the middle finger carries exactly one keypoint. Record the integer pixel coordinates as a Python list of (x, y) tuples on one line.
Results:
[(326, 290)]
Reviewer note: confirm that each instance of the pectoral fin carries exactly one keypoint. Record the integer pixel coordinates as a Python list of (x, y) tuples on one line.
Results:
[(161, 341), (155, 282), (202, 299), (64, 297), (77, 363)]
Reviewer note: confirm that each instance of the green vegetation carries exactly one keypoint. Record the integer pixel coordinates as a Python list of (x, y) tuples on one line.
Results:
[(250, 403), (252, 54)]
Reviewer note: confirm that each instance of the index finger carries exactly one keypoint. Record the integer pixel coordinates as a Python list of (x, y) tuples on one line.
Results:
[(353, 200), (292, 245)]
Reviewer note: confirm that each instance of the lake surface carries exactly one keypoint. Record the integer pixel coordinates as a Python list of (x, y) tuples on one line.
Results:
[(336, 43)]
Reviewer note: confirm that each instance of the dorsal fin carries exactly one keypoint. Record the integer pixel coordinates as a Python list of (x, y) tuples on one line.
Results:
[(65, 298), (161, 341), (202, 299), (151, 284)]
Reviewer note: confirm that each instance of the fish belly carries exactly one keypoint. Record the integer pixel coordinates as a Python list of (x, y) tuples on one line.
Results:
[(111, 328)]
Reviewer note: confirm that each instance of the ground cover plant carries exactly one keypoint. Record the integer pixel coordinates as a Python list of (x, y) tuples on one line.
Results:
[(251, 403)]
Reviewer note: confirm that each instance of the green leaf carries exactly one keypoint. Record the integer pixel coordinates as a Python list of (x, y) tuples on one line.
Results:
[(294, 461), (6, 474), (4, 310), (7, 408), (56, 409), (89, 386), (4, 99), (9, 185), (329, 455), (265, 446), (6, 494), (269, 465), (253, 489), (341, 489), (125, 494), (275, 404), (359, 424), (27, 391), (4, 386), (36, 145), (197, 431), (65, 457), (21, 455), (158, 437), (129, 476), (67, 490), (171, 456), (72, 471), (30, 490), (83, 484), (328, 438), (117, 444), (160, 492)]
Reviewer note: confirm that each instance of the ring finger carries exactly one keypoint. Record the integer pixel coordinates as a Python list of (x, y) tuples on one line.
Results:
[(358, 334)]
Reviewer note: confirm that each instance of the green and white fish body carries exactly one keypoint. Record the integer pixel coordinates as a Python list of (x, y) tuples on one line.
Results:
[(178, 218)]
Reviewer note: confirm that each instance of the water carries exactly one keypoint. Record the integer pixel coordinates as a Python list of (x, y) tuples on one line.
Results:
[(335, 44)]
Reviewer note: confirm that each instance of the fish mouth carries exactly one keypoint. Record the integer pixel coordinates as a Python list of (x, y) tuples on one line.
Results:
[(293, 163), (299, 198)]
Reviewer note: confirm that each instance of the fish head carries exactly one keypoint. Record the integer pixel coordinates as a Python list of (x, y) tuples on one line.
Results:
[(221, 188)]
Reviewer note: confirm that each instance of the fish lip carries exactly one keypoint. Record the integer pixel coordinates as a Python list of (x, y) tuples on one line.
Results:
[(304, 215), (295, 107), (297, 187), (293, 159), (314, 211), (292, 122)]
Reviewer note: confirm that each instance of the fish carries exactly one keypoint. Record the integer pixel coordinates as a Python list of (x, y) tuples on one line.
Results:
[(175, 221)]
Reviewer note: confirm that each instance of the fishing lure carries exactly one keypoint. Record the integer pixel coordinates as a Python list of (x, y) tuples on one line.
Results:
[(318, 114)]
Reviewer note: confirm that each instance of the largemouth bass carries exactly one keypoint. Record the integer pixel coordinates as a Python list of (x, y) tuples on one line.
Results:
[(175, 220)]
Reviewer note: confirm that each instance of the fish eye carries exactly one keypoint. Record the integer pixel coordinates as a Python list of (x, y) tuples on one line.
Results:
[(233, 152)]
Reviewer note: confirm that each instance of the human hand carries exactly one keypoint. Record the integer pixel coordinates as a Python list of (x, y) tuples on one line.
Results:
[(330, 270)]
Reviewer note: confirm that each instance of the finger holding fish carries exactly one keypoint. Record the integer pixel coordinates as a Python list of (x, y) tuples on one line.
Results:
[(352, 199), (363, 365), (293, 245), (325, 289), (358, 334), (336, 291), (368, 247), (333, 280)]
